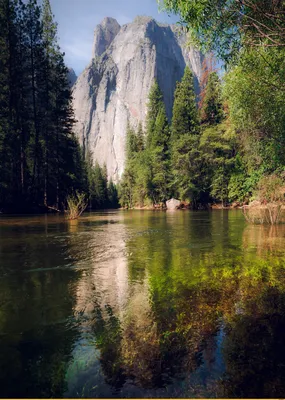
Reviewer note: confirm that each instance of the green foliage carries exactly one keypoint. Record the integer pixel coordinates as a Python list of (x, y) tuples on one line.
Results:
[(41, 162), (217, 145), (155, 102), (113, 201), (186, 163), (185, 116), (159, 156), (76, 205), (185, 155), (271, 189), (102, 194), (146, 175), (226, 25), (254, 91), (211, 107)]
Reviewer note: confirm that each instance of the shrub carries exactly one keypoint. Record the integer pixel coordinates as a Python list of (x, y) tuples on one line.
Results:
[(76, 204)]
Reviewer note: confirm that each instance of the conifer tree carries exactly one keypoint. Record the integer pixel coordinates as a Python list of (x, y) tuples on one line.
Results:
[(185, 116), (185, 157), (99, 187), (127, 186), (34, 64), (6, 23), (155, 102), (112, 195), (140, 137), (157, 147), (160, 158), (211, 104), (41, 161)]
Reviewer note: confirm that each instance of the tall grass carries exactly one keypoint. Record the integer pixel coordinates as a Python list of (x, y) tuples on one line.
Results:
[(76, 205)]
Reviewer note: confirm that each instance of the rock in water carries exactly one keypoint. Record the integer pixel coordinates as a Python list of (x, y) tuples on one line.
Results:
[(114, 87), (173, 204)]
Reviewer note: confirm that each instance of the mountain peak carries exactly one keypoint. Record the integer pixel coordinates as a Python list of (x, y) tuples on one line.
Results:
[(109, 21), (104, 34), (113, 91)]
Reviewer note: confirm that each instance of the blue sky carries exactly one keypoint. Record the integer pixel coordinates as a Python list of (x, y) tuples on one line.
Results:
[(77, 20)]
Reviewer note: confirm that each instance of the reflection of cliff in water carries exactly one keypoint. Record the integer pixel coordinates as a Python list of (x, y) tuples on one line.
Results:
[(165, 303), (99, 247)]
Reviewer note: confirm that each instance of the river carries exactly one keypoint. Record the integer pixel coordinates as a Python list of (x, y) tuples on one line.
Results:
[(142, 304)]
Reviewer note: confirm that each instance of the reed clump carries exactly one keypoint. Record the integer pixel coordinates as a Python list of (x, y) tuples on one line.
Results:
[(76, 205)]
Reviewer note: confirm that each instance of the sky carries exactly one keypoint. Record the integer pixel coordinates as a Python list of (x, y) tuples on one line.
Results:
[(77, 20)]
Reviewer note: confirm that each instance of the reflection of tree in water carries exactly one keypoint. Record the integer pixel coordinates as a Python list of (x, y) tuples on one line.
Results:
[(254, 349), (266, 238), (180, 300), (36, 346), (192, 295), (37, 332), (108, 335)]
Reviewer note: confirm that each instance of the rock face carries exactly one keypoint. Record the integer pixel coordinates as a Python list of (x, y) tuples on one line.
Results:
[(104, 34), (71, 76), (113, 89), (173, 204)]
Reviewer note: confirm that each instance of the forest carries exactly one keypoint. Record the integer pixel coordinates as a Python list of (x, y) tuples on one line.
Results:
[(41, 160), (230, 149), (225, 147)]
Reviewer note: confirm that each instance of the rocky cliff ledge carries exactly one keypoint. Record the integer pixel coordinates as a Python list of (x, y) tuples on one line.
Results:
[(114, 87)]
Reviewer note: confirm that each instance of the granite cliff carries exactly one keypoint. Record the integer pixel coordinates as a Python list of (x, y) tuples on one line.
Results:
[(113, 89)]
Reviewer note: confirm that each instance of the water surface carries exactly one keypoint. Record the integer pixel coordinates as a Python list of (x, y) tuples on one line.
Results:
[(142, 304)]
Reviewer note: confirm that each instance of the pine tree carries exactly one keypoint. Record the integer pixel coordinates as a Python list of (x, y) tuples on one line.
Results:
[(185, 155), (112, 195), (157, 147), (133, 188), (127, 186), (185, 116), (99, 187), (211, 104), (11, 106), (160, 158), (155, 102), (33, 31), (41, 161), (6, 23), (140, 138), (131, 143), (187, 171), (49, 28)]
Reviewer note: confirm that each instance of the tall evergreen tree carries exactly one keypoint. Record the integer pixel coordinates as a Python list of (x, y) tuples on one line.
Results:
[(155, 102), (40, 157), (185, 116), (127, 186), (157, 146), (211, 104), (160, 158), (7, 26), (140, 138), (185, 155)]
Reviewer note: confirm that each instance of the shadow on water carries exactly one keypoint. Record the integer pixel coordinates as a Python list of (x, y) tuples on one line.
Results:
[(142, 304), (36, 328)]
